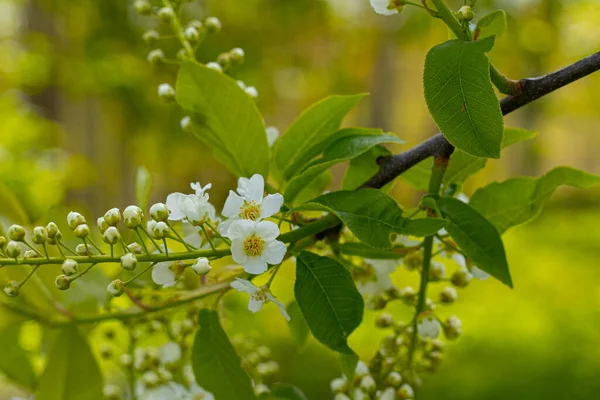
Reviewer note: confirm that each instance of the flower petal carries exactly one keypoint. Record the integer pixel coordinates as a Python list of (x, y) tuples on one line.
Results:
[(254, 265), (224, 226), (162, 274), (237, 251), (252, 189), (271, 205), (274, 252), (254, 305), (174, 204), (280, 305), (240, 229), (243, 285), (267, 230), (232, 205)]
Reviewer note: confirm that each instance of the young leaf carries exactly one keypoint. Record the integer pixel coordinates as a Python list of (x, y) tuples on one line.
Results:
[(493, 24), (72, 372), (225, 117), (476, 237), (519, 200), (328, 298), (14, 362), (216, 365), (371, 215), (316, 124), (341, 150), (297, 324), (460, 96)]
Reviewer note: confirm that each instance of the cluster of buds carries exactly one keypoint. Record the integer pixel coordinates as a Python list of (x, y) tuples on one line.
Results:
[(257, 360)]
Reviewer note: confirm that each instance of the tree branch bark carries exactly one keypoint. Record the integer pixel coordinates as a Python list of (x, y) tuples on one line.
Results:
[(531, 90)]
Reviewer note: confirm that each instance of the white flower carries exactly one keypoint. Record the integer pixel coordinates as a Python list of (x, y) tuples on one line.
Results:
[(163, 274), (383, 7), (380, 280), (254, 246), (201, 266), (193, 207), (248, 202), (169, 353), (428, 326), (272, 135), (258, 296)]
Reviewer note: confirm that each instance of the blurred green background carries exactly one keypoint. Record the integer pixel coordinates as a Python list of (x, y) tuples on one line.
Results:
[(79, 113)]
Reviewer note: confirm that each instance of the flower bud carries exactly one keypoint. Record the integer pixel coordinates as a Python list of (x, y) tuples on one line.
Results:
[(183, 54), (16, 233), (150, 378), (187, 326), (151, 37), (166, 14), (237, 55), (128, 262), (384, 320), (191, 34), (52, 229), (407, 293), (74, 219), (196, 24), (135, 248), (465, 13), (215, 66), (12, 289), (111, 236), (413, 260), (437, 271), (448, 295), (341, 396), (31, 254), (405, 392), (62, 282), (393, 379), (160, 230), (40, 235), (201, 266), (452, 328), (159, 212), (156, 57), (69, 267), (133, 216), (82, 231), (377, 302), (338, 385), (251, 90), (116, 288), (272, 135), (3, 242), (13, 249), (224, 60), (437, 345), (112, 392), (125, 359), (112, 216), (186, 123), (166, 92), (143, 7), (261, 390), (83, 250), (102, 225), (213, 24), (461, 278), (368, 385)]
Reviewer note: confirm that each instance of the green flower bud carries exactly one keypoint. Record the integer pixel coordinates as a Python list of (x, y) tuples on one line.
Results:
[(125, 359), (151, 37), (160, 230), (74, 219), (264, 352), (437, 345), (191, 34), (186, 123), (437, 271), (128, 262), (156, 57), (116, 288), (224, 60), (368, 385), (13, 249), (40, 235), (133, 216), (261, 389), (83, 250), (69, 267), (448, 295), (377, 302), (461, 278), (82, 231), (159, 212), (338, 385), (111, 236), (113, 392), (215, 66), (237, 55), (413, 261), (16, 233), (30, 254), (393, 379), (166, 14), (151, 379), (201, 266), (102, 225), (196, 24), (452, 328), (52, 229), (166, 92), (135, 248), (3, 242), (62, 282), (113, 217), (12, 289), (384, 320), (213, 25), (405, 392), (187, 326), (465, 13), (143, 7)]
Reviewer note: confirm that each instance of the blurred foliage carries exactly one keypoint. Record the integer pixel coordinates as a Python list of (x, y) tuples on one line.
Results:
[(79, 114)]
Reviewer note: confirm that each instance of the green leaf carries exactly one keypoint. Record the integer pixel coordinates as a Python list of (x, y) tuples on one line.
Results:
[(72, 372), (493, 24), (314, 125), (216, 365), (371, 215), (362, 250), (341, 150), (297, 324), (362, 168), (285, 391), (14, 362), (348, 363), (461, 98), (328, 298), (419, 175), (143, 184), (11, 208), (463, 165), (519, 200), (315, 188), (225, 117), (476, 237)]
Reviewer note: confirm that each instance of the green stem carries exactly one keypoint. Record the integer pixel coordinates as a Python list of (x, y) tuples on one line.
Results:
[(137, 230), (29, 275), (216, 232), (127, 282), (446, 15), (313, 228), (175, 24), (273, 275), (151, 239), (504, 84), (210, 242), (179, 238)]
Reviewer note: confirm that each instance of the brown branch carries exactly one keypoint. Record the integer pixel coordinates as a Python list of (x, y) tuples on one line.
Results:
[(531, 90)]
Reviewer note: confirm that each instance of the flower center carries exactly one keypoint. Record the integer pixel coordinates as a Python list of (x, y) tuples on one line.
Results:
[(254, 245), (250, 210), (260, 296)]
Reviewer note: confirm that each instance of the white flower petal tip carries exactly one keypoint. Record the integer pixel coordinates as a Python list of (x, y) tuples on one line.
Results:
[(382, 7), (258, 296)]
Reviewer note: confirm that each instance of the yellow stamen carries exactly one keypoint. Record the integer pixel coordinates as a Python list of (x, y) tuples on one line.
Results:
[(250, 210), (254, 245)]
